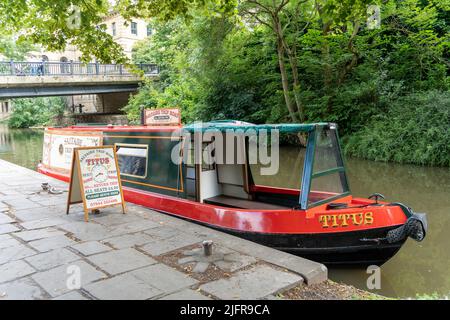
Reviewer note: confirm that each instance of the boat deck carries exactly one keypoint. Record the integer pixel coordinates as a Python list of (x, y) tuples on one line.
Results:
[(233, 202)]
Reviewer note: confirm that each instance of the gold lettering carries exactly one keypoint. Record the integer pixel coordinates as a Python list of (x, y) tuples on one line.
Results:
[(368, 218), (361, 218), (334, 218), (344, 218), (324, 220)]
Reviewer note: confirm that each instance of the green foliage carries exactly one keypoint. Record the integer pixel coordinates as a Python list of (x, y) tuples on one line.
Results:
[(55, 24), (14, 50), (433, 296), (37, 111), (414, 130)]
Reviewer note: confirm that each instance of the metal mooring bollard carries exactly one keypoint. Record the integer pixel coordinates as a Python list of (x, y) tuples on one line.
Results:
[(207, 247)]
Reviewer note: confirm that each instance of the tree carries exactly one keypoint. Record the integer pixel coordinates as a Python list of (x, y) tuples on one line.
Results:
[(14, 50), (288, 20), (35, 111), (55, 24)]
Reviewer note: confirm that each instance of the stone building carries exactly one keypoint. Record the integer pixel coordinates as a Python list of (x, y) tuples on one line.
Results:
[(127, 33)]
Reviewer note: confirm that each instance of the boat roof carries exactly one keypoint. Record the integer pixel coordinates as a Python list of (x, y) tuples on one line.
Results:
[(226, 125), (116, 128), (219, 125)]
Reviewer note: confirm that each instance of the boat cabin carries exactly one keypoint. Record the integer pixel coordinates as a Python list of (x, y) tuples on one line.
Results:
[(227, 163)]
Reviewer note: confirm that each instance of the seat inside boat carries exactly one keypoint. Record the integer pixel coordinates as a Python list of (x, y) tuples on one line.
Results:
[(233, 202), (231, 185)]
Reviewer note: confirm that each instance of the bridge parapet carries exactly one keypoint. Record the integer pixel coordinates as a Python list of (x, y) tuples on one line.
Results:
[(50, 68), (39, 79)]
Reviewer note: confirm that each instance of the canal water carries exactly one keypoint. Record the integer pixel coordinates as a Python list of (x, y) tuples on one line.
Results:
[(418, 268)]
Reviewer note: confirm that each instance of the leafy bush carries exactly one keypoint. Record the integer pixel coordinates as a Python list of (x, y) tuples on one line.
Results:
[(385, 87), (416, 129), (32, 112)]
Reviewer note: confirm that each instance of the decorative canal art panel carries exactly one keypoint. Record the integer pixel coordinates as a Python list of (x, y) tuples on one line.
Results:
[(58, 147), (95, 179)]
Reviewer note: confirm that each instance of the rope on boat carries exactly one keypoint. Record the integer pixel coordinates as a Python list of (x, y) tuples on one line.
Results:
[(412, 228)]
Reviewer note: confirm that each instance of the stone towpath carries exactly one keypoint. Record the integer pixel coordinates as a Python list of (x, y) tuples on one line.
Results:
[(144, 254)]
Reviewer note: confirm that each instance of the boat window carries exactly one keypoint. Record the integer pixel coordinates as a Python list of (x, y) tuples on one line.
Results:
[(132, 160), (291, 158), (207, 164), (328, 180)]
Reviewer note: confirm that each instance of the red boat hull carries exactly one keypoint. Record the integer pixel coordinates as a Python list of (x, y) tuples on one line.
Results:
[(332, 236)]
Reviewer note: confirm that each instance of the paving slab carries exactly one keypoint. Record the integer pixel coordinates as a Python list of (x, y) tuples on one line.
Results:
[(86, 231), (7, 228), (162, 232), (55, 280), (15, 269), (35, 214), (113, 216), (22, 203), (164, 278), (43, 223), (16, 252), (132, 227), (129, 240), (22, 289), (235, 261), (118, 261), (31, 235), (9, 191), (255, 283), (72, 295), (52, 201), (162, 246), (5, 219), (7, 241), (47, 244), (91, 247), (122, 287), (186, 294), (51, 259)]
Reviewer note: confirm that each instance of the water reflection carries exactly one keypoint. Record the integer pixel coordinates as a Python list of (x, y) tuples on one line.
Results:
[(21, 146), (417, 268)]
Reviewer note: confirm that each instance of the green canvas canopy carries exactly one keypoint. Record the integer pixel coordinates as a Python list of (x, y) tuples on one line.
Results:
[(226, 125)]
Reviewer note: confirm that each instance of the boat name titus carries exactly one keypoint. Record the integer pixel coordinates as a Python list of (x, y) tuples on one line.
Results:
[(344, 219)]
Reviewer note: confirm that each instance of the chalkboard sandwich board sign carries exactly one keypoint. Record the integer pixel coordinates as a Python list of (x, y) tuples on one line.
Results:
[(95, 179)]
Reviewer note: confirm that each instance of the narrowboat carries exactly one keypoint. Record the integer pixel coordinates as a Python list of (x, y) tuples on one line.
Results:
[(207, 173)]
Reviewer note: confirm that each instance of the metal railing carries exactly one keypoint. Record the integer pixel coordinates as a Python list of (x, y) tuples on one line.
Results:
[(49, 68)]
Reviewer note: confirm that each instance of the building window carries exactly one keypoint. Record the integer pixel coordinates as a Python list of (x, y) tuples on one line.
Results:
[(132, 159), (113, 26), (134, 28), (149, 30)]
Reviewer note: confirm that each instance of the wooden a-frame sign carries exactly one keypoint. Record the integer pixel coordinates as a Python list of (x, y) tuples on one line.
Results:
[(95, 179)]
